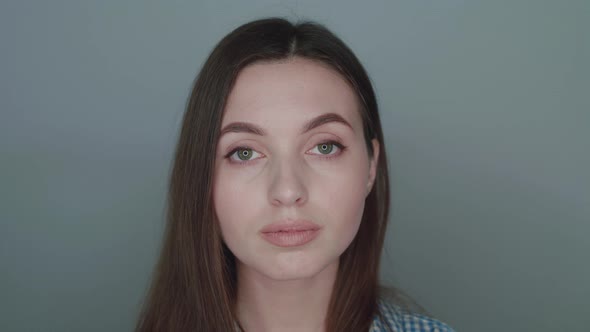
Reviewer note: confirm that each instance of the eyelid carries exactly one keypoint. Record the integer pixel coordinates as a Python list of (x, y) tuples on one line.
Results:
[(331, 155), (336, 143), (236, 149)]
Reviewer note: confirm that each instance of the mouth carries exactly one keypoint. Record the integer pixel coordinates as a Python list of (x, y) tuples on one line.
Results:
[(290, 233)]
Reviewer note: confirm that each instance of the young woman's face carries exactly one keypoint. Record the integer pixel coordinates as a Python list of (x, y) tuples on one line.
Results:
[(292, 149)]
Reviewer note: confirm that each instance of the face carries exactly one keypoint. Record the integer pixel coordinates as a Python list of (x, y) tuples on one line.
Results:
[(292, 148)]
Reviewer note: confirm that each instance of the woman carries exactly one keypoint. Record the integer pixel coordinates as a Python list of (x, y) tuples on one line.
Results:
[(279, 193)]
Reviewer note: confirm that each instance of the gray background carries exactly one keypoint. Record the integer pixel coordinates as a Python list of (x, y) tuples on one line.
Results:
[(485, 109)]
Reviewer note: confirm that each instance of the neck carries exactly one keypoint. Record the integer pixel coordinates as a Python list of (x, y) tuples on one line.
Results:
[(265, 304)]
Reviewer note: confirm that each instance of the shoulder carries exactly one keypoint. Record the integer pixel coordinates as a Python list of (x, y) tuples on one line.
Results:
[(394, 318)]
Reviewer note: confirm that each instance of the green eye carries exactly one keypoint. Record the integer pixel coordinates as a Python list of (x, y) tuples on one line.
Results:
[(244, 154), (325, 148)]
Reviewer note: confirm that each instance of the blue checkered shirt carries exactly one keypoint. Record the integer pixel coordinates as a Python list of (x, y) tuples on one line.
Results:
[(400, 320)]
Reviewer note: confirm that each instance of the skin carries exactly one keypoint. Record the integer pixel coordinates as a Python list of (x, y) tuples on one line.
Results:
[(289, 174)]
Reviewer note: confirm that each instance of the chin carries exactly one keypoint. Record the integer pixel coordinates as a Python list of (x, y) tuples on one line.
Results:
[(294, 269)]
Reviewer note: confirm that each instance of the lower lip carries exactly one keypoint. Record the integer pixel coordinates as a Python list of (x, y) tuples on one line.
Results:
[(291, 238)]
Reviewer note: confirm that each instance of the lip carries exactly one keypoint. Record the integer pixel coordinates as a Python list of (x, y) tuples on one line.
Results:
[(289, 225), (290, 233)]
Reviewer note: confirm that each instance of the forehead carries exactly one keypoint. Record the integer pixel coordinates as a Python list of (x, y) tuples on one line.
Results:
[(282, 95)]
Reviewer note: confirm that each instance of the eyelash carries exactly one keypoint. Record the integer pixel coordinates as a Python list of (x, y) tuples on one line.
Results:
[(340, 147)]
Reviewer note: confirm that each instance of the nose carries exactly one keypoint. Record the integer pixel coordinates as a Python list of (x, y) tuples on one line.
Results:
[(287, 184)]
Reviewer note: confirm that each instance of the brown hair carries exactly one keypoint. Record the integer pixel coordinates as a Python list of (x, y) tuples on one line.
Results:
[(194, 284)]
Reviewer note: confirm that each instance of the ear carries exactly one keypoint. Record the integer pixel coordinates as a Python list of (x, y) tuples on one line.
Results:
[(373, 165)]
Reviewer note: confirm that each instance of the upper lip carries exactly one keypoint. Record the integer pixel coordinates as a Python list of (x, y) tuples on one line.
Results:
[(287, 225)]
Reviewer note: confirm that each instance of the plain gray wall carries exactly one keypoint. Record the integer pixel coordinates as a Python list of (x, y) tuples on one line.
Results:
[(485, 107)]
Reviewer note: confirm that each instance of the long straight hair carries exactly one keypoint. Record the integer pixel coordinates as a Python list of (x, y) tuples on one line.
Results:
[(194, 283)]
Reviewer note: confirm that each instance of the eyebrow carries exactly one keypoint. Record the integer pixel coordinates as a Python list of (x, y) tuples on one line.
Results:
[(246, 127)]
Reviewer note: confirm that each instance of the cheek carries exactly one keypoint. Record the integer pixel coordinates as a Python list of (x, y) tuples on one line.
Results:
[(232, 207), (344, 202), (336, 197)]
